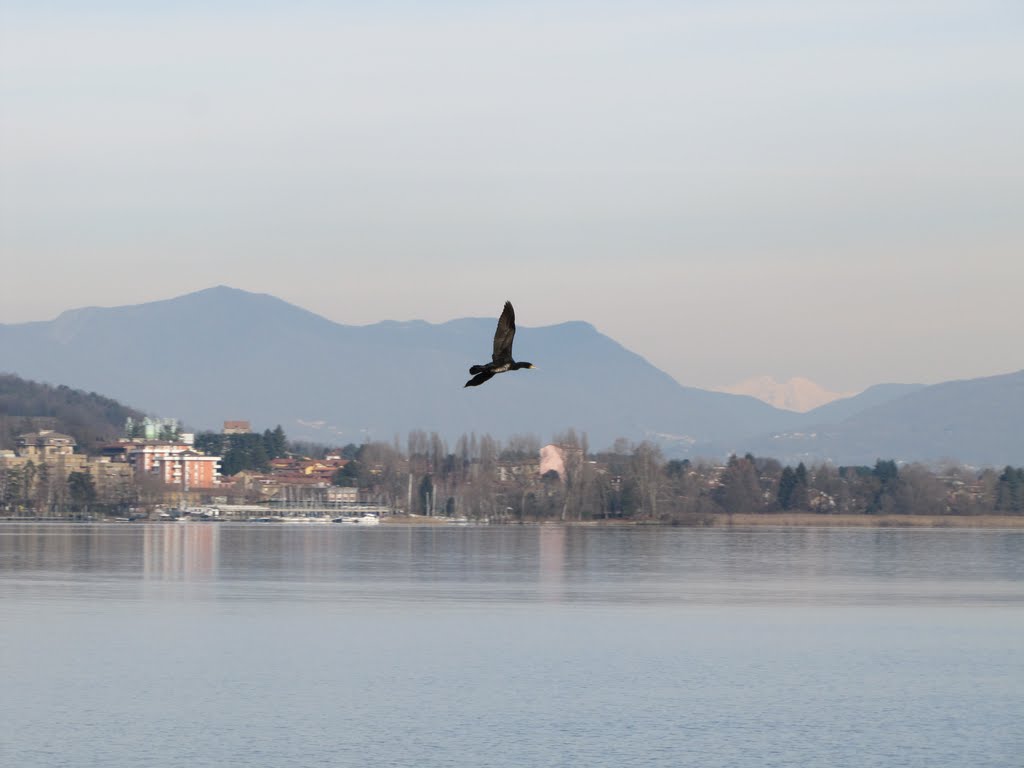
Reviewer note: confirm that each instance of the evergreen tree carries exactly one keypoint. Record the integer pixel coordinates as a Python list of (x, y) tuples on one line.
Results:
[(349, 476), (676, 468), (279, 442), (739, 489), (1010, 491), (886, 471), (169, 433), (800, 498), (243, 452), (801, 474), (426, 492), (82, 491), (787, 484), (210, 443), (29, 473), (793, 488), (42, 491), (275, 444), (886, 476)]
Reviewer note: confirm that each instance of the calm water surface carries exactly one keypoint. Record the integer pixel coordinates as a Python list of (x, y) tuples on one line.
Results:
[(309, 645)]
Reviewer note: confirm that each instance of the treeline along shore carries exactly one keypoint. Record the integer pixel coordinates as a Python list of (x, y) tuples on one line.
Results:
[(524, 479)]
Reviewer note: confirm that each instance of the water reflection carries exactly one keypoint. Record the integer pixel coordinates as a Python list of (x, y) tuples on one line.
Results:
[(547, 563), (186, 551), (552, 547), (294, 645)]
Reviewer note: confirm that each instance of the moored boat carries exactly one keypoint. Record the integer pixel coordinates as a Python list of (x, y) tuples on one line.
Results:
[(368, 518)]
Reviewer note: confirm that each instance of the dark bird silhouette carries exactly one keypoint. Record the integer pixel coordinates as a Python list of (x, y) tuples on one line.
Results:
[(501, 359)]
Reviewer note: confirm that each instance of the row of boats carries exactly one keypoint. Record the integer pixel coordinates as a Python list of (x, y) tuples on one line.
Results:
[(369, 518), (214, 514)]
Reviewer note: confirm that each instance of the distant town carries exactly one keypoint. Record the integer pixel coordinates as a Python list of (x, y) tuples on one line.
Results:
[(158, 472)]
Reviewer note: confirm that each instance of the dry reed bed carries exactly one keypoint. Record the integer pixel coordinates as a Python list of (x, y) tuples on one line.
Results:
[(784, 519), (873, 521)]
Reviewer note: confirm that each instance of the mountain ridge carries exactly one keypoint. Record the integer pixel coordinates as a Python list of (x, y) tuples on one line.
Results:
[(396, 375), (798, 394), (225, 353), (952, 421)]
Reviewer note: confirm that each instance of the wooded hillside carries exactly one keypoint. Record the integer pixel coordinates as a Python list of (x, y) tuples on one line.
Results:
[(27, 406)]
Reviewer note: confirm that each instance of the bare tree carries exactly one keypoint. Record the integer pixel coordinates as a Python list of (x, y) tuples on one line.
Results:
[(646, 473)]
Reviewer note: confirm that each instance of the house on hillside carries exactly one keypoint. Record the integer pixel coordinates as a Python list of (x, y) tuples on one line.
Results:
[(303, 470), (291, 479), (56, 451), (44, 445)]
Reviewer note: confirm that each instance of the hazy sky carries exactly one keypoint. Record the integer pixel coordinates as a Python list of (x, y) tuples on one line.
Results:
[(826, 189)]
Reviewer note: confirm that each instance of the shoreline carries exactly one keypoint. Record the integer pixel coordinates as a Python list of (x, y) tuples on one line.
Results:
[(770, 520), (811, 519), (740, 520)]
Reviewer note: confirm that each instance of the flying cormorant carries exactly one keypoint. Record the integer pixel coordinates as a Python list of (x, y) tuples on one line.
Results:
[(501, 360)]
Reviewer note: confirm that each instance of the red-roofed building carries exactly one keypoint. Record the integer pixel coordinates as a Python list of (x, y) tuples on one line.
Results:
[(175, 464)]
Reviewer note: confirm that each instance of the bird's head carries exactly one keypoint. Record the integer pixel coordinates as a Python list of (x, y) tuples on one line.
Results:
[(524, 365)]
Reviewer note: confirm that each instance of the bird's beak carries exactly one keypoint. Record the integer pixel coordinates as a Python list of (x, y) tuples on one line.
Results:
[(533, 366)]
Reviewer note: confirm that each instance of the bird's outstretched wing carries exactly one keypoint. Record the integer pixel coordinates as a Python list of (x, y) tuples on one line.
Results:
[(479, 379), (504, 335)]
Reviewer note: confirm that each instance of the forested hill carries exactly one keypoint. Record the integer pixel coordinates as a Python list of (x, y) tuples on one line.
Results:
[(231, 354), (236, 354), (27, 406)]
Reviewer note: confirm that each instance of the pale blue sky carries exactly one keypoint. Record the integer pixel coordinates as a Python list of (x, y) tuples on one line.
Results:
[(832, 190)]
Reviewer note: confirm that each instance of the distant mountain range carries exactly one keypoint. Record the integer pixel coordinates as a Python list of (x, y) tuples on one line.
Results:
[(223, 354), (796, 394), (978, 421)]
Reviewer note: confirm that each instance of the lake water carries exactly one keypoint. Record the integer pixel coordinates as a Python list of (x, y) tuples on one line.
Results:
[(329, 645)]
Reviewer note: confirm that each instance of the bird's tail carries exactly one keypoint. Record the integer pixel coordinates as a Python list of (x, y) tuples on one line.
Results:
[(476, 369)]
